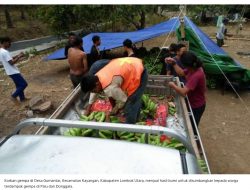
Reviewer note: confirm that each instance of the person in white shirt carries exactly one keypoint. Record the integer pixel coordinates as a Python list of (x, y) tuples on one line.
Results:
[(221, 33), (11, 69), (219, 21)]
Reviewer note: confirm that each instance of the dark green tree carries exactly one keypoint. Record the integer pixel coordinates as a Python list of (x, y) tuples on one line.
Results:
[(9, 22), (135, 14), (59, 17)]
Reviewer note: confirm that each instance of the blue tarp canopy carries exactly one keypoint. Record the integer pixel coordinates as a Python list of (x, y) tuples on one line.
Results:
[(209, 52), (110, 40)]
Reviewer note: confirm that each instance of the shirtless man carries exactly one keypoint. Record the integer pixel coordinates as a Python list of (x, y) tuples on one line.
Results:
[(77, 62), (72, 37)]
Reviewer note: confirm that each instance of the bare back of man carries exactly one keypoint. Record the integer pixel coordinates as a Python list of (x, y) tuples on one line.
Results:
[(77, 61)]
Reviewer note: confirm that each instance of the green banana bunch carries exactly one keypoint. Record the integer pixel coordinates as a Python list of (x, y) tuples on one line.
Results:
[(73, 132), (79, 132), (203, 165), (124, 135), (141, 138), (155, 140), (150, 106), (105, 134), (171, 110), (114, 119), (97, 116), (87, 132), (145, 99)]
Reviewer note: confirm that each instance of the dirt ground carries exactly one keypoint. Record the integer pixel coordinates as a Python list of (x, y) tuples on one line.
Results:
[(224, 127), (48, 79)]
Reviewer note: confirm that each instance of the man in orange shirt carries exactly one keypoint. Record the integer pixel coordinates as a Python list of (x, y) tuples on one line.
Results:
[(124, 80)]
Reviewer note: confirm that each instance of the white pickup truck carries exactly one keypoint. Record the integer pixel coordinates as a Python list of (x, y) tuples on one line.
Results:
[(50, 152)]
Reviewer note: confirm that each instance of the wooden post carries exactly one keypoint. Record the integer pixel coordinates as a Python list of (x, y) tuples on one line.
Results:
[(182, 26)]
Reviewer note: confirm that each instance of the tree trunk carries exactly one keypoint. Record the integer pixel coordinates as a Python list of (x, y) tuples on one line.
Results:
[(9, 23), (142, 20), (22, 15), (157, 10), (113, 18)]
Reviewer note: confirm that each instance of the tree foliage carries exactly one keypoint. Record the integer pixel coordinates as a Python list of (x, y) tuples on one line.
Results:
[(135, 14), (217, 9), (61, 18), (9, 22)]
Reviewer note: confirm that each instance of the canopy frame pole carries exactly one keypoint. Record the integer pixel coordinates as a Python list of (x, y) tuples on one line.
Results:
[(182, 23)]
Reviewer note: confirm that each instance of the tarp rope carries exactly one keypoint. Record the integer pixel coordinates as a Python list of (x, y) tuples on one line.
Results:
[(242, 101)]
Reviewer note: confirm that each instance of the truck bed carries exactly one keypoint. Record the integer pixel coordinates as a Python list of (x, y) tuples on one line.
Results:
[(67, 116)]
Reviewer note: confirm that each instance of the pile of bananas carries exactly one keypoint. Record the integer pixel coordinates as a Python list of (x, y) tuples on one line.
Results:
[(169, 143), (127, 136), (156, 140), (149, 107), (73, 132), (94, 116), (132, 137), (152, 139), (149, 110), (105, 134)]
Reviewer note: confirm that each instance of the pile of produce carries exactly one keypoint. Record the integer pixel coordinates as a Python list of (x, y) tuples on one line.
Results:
[(94, 116), (151, 109), (154, 109), (148, 107), (158, 140), (153, 59)]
